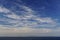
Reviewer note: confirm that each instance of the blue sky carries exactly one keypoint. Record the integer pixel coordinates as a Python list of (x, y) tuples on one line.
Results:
[(29, 18), (46, 7)]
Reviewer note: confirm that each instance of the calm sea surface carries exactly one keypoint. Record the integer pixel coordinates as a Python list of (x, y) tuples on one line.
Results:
[(29, 38)]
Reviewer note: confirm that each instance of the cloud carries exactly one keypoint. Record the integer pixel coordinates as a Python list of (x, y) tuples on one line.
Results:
[(28, 18), (22, 31), (25, 22), (4, 10), (47, 20), (27, 9), (25, 31), (13, 16)]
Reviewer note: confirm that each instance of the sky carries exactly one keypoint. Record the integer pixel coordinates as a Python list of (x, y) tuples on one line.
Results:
[(29, 18)]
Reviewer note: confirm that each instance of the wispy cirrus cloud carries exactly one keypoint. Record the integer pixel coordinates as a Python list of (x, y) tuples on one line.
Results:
[(30, 20), (4, 10), (25, 21)]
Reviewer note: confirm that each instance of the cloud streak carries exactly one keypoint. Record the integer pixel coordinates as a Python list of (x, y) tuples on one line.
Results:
[(25, 22)]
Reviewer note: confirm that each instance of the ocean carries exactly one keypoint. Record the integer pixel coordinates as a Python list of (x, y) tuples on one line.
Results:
[(29, 38)]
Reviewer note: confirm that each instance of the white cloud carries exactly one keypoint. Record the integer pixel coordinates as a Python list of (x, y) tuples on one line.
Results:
[(23, 20), (46, 19), (27, 30), (24, 25), (4, 10), (14, 16), (27, 9)]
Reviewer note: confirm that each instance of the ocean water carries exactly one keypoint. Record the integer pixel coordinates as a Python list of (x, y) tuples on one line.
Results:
[(29, 38)]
